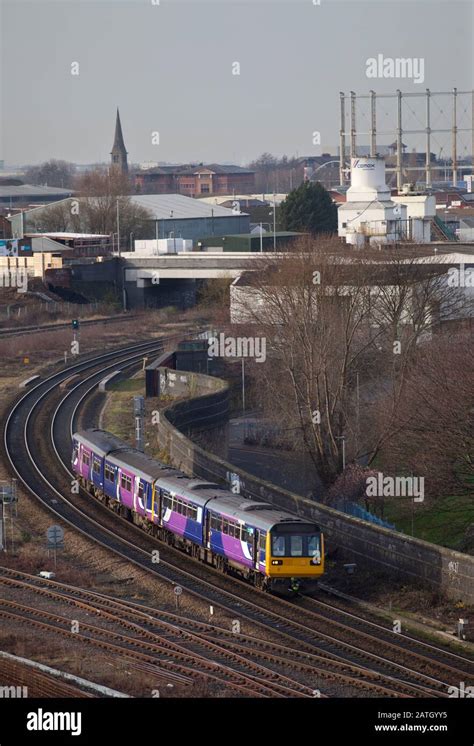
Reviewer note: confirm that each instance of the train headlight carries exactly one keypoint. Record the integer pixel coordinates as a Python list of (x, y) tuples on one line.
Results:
[(277, 562)]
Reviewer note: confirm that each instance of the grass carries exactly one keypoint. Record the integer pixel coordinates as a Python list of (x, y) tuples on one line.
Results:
[(443, 521), (131, 385)]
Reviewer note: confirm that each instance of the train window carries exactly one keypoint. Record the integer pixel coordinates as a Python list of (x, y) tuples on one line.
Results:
[(125, 483), (109, 473), (262, 542), (216, 523), (85, 458), (296, 546), (278, 546), (313, 546), (141, 490), (192, 512)]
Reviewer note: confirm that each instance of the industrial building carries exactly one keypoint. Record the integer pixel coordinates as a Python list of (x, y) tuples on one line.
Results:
[(371, 215), (195, 180), (182, 217), (29, 195), (172, 215)]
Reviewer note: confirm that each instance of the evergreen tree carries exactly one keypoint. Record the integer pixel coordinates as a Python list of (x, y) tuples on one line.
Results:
[(308, 208)]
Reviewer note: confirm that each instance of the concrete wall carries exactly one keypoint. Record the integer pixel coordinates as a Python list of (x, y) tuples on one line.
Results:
[(203, 417), (428, 564)]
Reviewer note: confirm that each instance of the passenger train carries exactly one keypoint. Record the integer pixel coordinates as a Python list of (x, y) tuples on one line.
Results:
[(274, 550)]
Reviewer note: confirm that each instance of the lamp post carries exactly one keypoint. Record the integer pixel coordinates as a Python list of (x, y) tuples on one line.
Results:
[(174, 232), (343, 438), (118, 226), (274, 223)]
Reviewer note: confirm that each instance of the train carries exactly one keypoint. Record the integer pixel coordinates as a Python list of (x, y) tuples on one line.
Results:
[(272, 549)]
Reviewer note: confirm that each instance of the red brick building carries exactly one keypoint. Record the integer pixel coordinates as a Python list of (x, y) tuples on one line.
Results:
[(195, 181)]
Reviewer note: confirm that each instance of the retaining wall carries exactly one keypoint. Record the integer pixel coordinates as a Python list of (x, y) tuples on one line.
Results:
[(361, 542)]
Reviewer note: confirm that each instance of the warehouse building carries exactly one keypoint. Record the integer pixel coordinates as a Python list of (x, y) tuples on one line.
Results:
[(183, 217), (27, 195)]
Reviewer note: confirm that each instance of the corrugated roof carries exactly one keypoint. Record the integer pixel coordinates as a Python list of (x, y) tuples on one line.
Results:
[(32, 190), (182, 207), (43, 243)]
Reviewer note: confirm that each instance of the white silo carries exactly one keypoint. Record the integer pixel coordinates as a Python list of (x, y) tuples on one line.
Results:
[(368, 180)]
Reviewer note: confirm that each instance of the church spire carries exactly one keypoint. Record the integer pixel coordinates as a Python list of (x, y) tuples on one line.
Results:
[(118, 152)]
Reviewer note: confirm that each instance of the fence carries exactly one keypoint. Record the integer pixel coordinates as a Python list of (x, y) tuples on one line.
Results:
[(16, 311)]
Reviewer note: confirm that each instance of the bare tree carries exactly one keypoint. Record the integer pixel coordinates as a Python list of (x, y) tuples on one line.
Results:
[(342, 333), (104, 193), (52, 173), (434, 433)]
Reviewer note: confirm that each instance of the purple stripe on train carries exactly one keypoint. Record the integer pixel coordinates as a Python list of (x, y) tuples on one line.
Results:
[(234, 549), (175, 522)]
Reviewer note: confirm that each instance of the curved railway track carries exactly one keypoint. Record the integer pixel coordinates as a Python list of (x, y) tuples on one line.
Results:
[(400, 667)]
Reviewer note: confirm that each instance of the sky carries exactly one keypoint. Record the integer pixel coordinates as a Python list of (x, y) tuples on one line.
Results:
[(221, 81)]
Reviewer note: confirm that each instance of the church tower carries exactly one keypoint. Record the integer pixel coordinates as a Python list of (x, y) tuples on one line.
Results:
[(118, 152)]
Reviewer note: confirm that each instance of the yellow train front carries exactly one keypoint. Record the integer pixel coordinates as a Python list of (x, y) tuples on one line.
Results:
[(294, 557)]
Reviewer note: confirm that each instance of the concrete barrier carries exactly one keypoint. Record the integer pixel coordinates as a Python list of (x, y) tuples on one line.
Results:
[(69, 382), (432, 565), (105, 381), (28, 382)]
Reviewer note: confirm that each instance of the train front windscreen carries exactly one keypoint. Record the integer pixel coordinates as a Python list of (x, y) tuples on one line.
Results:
[(296, 542)]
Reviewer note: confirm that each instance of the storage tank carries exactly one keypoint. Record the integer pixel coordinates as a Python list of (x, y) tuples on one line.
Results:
[(368, 180)]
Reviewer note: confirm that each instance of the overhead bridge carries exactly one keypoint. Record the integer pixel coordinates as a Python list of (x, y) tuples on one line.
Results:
[(174, 279)]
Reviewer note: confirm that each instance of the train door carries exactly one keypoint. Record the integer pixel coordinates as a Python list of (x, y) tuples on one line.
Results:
[(255, 552), (207, 530)]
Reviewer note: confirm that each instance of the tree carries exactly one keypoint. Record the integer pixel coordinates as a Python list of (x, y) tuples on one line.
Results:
[(101, 193), (434, 432), (94, 209), (309, 208), (52, 173), (342, 339)]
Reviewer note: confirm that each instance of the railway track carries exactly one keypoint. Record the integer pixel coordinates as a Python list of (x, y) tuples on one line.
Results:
[(303, 627), (210, 639), (22, 330), (37, 683)]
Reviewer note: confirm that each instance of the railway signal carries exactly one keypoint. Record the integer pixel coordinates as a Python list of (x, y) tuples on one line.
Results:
[(55, 536)]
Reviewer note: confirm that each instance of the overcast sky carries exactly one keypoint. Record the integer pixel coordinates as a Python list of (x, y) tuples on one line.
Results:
[(169, 67)]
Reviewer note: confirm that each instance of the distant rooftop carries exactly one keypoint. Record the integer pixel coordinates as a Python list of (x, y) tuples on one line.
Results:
[(69, 236), (33, 190), (161, 205), (192, 168)]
